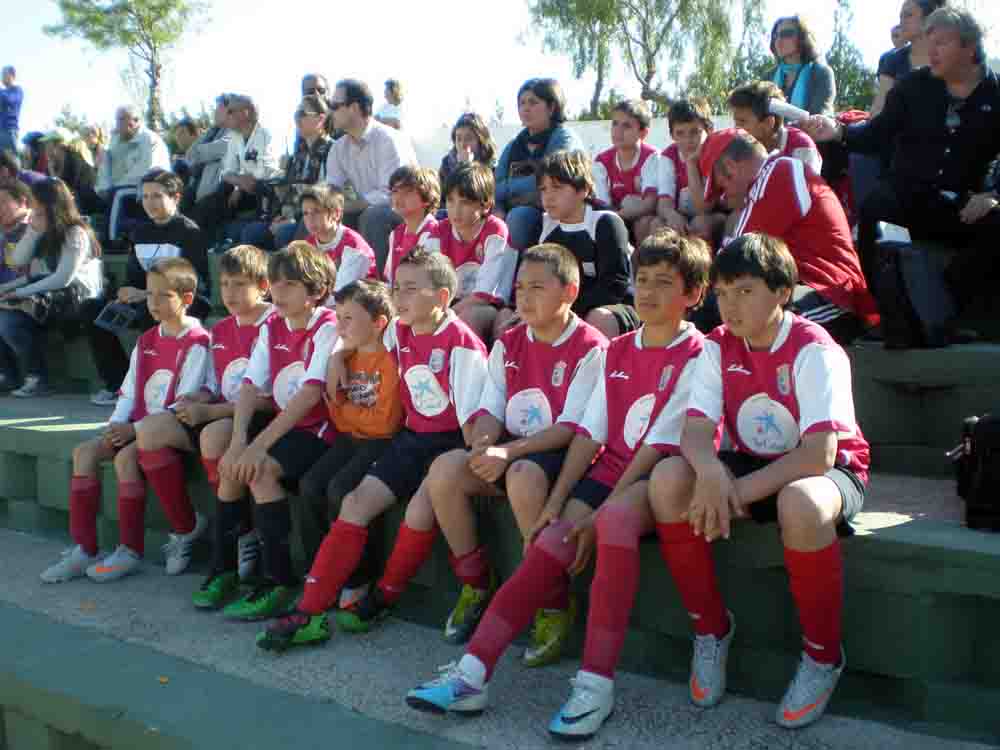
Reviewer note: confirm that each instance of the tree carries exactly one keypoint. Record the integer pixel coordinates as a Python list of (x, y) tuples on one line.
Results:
[(70, 120), (855, 81), (147, 29), (605, 108)]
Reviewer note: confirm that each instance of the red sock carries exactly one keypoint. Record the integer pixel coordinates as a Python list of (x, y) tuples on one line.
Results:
[(337, 558), (84, 503), (472, 569), (817, 583), (542, 571), (412, 549), (613, 590), (132, 515), (689, 559), (164, 470), (212, 472)]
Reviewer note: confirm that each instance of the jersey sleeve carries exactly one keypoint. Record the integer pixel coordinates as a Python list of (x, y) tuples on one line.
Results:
[(594, 423), (354, 265), (706, 390), (613, 266), (602, 183), (466, 378), (494, 398), (785, 200), (665, 433), (810, 157), (212, 385), (323, 343), (666, 181), (495, 277), (258, 372), (389, 337), (194, 371), (649, 176), (588, 373), (823, 390), (126, 394)]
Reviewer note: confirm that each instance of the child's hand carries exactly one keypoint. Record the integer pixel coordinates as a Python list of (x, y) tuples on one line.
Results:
[(585, 535), (120, 434), (230, 459), (464, 155), (715, 502), (550, 514), (250, 466), (490, 463), (336, 372), (128, 295), (191, 413)]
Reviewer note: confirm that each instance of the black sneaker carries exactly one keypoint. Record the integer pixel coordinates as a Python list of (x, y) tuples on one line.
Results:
[(295, 629), (364, 614)]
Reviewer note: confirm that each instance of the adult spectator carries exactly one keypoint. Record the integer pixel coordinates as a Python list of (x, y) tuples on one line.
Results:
[(391, 113), (942, 126), (203, 198), (70, 160), (97, 141), (185, 132), (364, 159), (11, 98), (65, 271), (315, 83), (750, 106), (785, 199), (895, 65), (805, 79), (10, 169), (541, 105), (133, 151), (15, 214), (896, 35), (249, 158)]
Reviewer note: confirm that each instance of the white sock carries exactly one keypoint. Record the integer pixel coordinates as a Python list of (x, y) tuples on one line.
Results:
[(597, 681), (474, 671)]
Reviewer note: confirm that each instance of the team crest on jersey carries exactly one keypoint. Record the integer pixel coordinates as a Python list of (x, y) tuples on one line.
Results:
[(784, 380), (436, 360), (668, 371), (528, 412), (766, 427), (288, 383), (637, 420), (425, 391), (154, 393), (232, 379), (558, 374)]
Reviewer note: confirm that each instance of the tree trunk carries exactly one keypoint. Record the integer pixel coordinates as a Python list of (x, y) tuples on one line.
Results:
[(602, 69), (154, 110)]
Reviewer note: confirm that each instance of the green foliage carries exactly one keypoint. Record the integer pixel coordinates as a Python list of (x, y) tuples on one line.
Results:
[(70, 120), (855, 81), (604, 107)]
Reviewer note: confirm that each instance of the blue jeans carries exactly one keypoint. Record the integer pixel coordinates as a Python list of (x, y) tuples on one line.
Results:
[(8, 142), (22, 345), (256, 233), (525, 226)]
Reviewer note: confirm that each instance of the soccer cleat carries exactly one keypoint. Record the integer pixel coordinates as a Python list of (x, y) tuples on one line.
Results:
[(73, 564), (364, 614), (178, 549), (451, 691), (468, 611), (118, 564), (216, 591), (548, 636), (33, 387), (248, 554), (265, 601), (707, 683), (590, 703), (809, 692), (104, 397), (295, 629)]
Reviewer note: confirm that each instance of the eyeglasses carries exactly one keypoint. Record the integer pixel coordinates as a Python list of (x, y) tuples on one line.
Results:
[(789, 32), (315, 90)]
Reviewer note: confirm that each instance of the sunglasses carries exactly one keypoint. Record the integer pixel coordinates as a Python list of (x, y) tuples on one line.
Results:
[(788, 33)]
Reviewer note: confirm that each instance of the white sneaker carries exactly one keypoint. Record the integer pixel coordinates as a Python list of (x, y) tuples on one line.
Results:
[(590, 703), (351, 596), (452, 691), (74, 564), (118, 564), (33, 387), (707, 683), (178, 550), (104, 397), (809, 692), (248, 554)]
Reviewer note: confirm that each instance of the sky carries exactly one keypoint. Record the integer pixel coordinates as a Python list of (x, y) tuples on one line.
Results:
[(464, 54)]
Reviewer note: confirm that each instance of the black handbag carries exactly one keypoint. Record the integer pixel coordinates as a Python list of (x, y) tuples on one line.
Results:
[(977, 470)]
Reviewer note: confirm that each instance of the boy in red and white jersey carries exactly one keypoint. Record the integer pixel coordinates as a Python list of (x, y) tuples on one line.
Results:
[(781, 388), (750, 106), (170, 360), (416, 193), (679, 183), (322, 209)]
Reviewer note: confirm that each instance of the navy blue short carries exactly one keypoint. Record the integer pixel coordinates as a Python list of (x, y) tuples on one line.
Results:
[(591, 492), (406, 460), (550, 462)]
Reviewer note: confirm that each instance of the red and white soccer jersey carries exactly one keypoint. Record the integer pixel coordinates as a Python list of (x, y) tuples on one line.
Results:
[(284, 360), (401, 242), (769, 400), (672, 180), (232, 345), (533, 385), (789, 201), (796, 144), (640, 398), (349, 252), (441, 374), (163, 368), (613, 183), (486, 265)]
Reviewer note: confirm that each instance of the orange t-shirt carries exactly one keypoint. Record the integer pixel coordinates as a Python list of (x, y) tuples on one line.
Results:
[(370, 407)]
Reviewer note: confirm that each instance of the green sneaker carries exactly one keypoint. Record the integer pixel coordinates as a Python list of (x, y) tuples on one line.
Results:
[(265, 601), (364, 614), (469, 610), (548, 636), (296, 629), (217, 590)]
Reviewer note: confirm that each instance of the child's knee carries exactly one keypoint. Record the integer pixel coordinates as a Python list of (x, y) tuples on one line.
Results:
[(445, 469), (800, 510), (619, 525), (670, 486), (553, 541), (526, 478)]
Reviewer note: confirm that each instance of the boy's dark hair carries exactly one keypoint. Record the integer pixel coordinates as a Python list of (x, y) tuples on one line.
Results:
[(438, 267), (244, 260), (637, 109), (327, 197), (550, 92), (170, 182), (374, 296), (179, 273), (17, 190), (561, 262), (690, 256), (422, 179), (473, 181), (690, 110), (568, 168), (356, 91), (301, 262), (756, 96), (760, 256)]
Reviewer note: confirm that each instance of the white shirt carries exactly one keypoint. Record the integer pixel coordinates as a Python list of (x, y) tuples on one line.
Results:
[(252, 155), (367, 163)]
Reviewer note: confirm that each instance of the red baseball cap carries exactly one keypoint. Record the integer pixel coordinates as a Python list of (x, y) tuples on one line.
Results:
[(711, 150)]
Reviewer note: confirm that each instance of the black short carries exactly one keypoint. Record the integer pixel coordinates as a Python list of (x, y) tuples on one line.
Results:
[(258, 422), (591, 492), (404, 464), (852, 490), (296, 451), (194, 434), (550, 462)]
